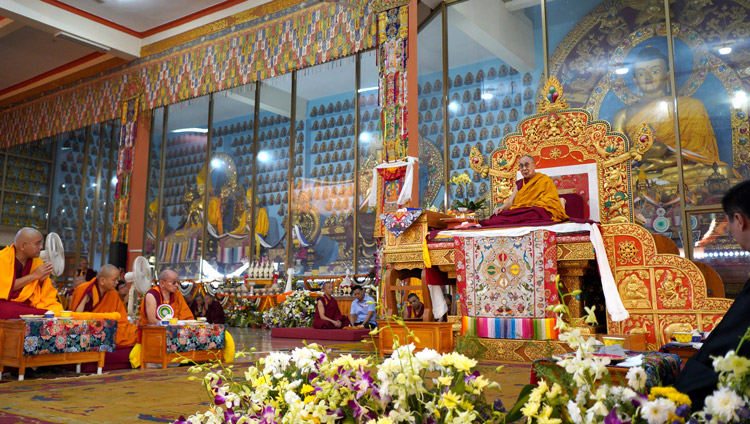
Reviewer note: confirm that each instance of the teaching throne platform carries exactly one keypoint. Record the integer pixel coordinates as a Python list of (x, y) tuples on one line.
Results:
[(662, 291)]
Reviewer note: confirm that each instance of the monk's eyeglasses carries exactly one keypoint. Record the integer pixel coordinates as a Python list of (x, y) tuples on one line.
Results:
[(525, 165)]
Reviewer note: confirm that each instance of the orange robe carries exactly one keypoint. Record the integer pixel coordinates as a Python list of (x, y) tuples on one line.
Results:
[(37, 294), (540, 191), (109, 302), (696, 133), (176, 301)]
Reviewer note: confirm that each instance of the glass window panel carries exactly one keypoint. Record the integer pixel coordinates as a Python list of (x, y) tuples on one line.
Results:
[(89, 191), (185, 186), (324, 169), (27, 184), (370, 156), (228, 245), (273, 167), (430, 93), (155, 223), (715, 246), (710, 66), (493, 74), (107, 185), (66, 197), (604, 69)]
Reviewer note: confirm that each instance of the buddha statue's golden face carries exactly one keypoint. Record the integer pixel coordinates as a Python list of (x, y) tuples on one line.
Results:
[(651, 77), (201, 189)]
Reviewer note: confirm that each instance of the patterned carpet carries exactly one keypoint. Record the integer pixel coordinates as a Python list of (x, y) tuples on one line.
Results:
[(149, 396)]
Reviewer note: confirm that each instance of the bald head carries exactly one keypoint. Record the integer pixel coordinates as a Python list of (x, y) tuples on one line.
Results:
[(108, 271), (28, 243), (168, 280), (27, 234)]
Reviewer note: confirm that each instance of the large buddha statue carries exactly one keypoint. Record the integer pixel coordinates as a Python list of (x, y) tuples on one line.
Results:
[(656, 108), (261, 219)]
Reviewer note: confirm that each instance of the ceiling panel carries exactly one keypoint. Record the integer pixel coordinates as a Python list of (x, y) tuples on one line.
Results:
[(32, 52), (141, 15)]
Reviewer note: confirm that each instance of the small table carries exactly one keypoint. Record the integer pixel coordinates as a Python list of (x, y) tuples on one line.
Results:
[(55, 342), (684, 352), (162, 344)]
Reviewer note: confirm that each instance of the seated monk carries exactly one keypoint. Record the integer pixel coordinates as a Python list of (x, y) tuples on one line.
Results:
[(534, 200), (25, 287), (165, 293), (415, 308), (99, 295), (327, 313)]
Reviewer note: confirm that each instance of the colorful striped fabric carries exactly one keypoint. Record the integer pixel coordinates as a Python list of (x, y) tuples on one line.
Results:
[(510, 328)]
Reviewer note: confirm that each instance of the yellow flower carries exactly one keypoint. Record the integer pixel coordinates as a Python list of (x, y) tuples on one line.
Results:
[(444, 380), (530, 409), (670, 393), (449, 400), (306, 389), (309, 399), (554, 392)]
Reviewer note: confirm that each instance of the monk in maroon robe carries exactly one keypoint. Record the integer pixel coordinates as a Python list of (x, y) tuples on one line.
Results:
[(327, 313)]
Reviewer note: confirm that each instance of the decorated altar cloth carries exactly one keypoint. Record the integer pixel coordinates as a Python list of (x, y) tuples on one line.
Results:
[(510, 277), (178, 249), (186, 338), (43, 336), (615, 307)]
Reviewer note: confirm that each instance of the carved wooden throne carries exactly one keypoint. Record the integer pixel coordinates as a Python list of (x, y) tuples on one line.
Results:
[(663, 292)]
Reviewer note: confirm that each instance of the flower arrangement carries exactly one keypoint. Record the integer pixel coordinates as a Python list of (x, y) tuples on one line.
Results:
[(468, 204), (297, 310), (241, 312), (309, 386), (585, 394)]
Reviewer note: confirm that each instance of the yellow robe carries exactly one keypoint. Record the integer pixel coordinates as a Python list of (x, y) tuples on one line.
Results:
[(40, 294), (126, 332), (696, 133), (540, 191)]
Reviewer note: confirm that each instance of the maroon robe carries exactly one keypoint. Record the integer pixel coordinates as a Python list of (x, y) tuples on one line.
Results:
[(13, 310), (331, 309)]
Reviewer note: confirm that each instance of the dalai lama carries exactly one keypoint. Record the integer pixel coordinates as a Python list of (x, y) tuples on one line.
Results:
[(534, 201), (25, 286)]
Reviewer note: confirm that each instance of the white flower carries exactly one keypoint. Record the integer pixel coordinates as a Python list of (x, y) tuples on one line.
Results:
[(304, 358), (575, 412), (290, 397), (731, 363), (724, 404), (429, 357), (657, 411), (636, 378), (276, 363)]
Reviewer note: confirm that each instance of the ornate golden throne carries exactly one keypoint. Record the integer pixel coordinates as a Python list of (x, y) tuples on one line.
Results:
[(662, 291)]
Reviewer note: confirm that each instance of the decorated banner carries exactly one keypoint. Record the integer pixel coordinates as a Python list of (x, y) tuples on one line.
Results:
[(511, 277), (393, 50), (126, 141), (256, 44)]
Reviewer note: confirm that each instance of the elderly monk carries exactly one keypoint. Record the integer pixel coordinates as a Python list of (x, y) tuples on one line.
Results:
[(25, 287), (534, 200), (327, 313), (165, 294), (99, 295)]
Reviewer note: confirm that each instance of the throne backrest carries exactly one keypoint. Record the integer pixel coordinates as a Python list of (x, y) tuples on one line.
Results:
[(580, 153)]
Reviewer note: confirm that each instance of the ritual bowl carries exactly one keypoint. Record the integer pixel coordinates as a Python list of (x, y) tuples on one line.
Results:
[(611, 341), (683, 337), (65, 314)]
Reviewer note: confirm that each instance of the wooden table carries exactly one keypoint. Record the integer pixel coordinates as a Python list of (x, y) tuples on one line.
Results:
[(685, 352), (154, 348), (12, 336)]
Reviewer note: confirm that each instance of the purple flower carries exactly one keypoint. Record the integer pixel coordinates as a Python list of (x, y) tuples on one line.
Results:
[(682, 411), (357, 410), (219, 400), (471, 376), (181, 420), (498, 406), (743, 412), (230, 417), (429, 420), (639, 399), (612, 417)]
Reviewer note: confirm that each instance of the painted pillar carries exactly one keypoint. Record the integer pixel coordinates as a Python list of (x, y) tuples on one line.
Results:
[(139, 186)]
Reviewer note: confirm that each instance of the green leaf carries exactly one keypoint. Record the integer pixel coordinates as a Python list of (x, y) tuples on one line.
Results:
[(515, 412)]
